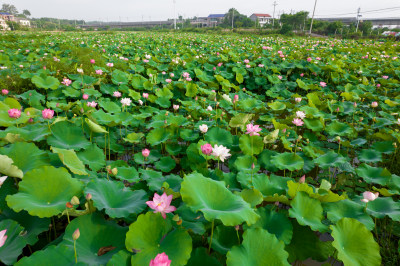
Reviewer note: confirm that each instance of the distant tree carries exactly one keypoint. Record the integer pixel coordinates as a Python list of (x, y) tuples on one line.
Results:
[(26, 12), (13, 25), (334, 27), (295, 21), (239, 20), (365, 27), (9, 9)]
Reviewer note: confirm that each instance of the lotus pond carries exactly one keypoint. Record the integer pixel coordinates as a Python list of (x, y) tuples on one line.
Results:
[(185, 149)]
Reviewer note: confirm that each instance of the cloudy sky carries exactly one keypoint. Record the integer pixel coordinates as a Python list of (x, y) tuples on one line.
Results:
[(136, 10)]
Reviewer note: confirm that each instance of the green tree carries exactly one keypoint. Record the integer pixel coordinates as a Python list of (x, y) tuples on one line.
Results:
[(295, 21), (239, 20), (26, 12), (9, 9)]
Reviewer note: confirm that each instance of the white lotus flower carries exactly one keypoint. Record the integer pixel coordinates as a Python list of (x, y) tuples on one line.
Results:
[(220, 152), (126, 101), (300, 114), (203, 128), (227, 98), (2, 180)]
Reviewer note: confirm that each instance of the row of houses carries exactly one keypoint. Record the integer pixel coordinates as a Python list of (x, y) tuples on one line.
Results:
[(215, 19), (4, 17)]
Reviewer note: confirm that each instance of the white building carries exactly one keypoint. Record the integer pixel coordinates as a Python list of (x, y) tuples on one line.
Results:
[(261, 18), (23, 22)]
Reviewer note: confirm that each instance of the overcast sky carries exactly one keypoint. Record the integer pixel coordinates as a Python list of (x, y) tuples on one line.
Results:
[(136, 10)]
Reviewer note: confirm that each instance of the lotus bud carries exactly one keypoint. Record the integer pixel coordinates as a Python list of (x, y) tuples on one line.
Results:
[(88, 196), (276, 203), (338, 139), (108, 167), (76, 234), (253, 166), (275, 147), (114, 171), (237, 227), (75, 200), (374, 119), (302, 179)]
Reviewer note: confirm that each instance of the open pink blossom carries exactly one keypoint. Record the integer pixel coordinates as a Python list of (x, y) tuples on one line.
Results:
[(160, 260), (14, 113), (99, 72), (300, 114), (206, 149), (309, 59), (374, 104), (323, 84), (85, 96), (3, 237), (168, 80), (92, 61), (47, 114), (66, 82), (253, 130), (236, 98), (298, 122), (297, 100), (110, 64), (145, 153), (385, 77), (175, 106), (369, 196), (4, 91), (117, 94), (2, 179), (92, 104), (145, 95), (161, 204)]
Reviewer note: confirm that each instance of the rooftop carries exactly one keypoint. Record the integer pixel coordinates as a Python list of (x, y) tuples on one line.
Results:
[(261, 15), (5, 13), (216, 15)]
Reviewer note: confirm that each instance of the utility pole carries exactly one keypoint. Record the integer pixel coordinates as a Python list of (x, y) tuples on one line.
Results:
[(174, 14), (313, 13), (233, 15), (358, 17), (273, 16)]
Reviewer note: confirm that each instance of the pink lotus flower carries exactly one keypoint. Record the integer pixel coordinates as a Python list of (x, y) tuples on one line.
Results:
[(85, 96), (140, 102), (4, 91), (145, 153), (47, 114), (374, 104), (302, 179), (378, 85), (145, 95), (117, 94), (206, 149), (14, 113), (309, 59), (236, 98), (160, 260), (385, 77), (246, 61), (323, 84), (298, 122), (172, 75), (99, 72), (3, 237), (161, 204), (302, 75), (300, 114), (92, 104), (297, 99), (253, 130), (219, 64), (186, 75), (176, 107), (92, 61), (76, 234), (168, 80), (110, 64), (2, 180), (66, 82), (369, 196), (126, 101), (279, 77)]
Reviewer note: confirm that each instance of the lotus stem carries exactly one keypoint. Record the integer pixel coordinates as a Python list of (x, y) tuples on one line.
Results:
[(212, 233), (68, 216), (76, 257), (54, 228)]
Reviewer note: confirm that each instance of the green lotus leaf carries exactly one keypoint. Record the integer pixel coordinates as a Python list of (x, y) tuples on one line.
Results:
[(157, 136), (349, 209), (330, 159), (157, 182), (252, 196), (265, 160), (258, 248), (45, 82), (374, 175), (33, 225), (306, 244), (289, 161), (93, 156), (95, 233), (219, 136), (109, 106), (381, 207), (370, 156), (18, 151), (61, 254), (244, 164), (165, 164), (14, 243), (315, 124), (8, 168), (251, 145), (276, 223), (383, 147), (70, 160), (337, 128), (294, 188), (31, 132), (134, 137), (44, 191), (122, 258), (225, 237), (277, 106), (117, 200), (270, 185), (354, 243), (129, 174), (7, 121), (151, 235), (240, 120), (33, 98), (12, 103), (307, 211), (200, 257), (67, 136), (7, 188), (215, 201), (95, 127)]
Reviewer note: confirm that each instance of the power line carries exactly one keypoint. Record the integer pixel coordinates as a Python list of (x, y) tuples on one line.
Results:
[(368, 11)]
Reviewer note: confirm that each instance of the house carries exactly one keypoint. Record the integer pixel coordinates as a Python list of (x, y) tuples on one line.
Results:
[(4, 25), (200, 22), (23, 22), (215, 19), (261, 18), (6, 16)]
